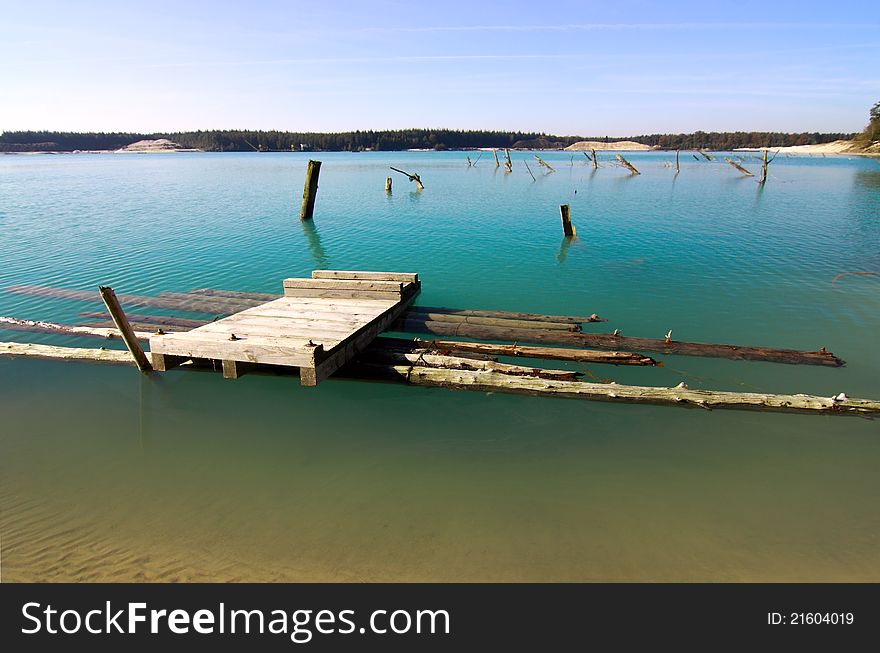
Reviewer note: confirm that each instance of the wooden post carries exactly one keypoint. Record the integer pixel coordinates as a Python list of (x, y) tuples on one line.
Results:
[(128, 335), (508, 164), (595, 159), (677, 166), (764, 169), (529, 169), (310, 190), (567, 227), (495, 152), (387, 184)]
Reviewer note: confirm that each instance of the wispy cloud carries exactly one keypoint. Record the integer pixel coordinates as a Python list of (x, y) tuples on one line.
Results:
[(565, 27)]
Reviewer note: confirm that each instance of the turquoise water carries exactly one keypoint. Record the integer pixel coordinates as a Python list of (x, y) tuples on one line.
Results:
[(108, 476)]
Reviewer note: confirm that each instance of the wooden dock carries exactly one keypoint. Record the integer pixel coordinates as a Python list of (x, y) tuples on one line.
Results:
[(317, 326)]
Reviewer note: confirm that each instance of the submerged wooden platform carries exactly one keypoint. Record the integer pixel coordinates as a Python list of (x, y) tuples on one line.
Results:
[(317, 326)]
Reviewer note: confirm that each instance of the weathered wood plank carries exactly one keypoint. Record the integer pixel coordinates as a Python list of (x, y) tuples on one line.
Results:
[(345, 284), (340, 294), (250, 349), (406, 277)]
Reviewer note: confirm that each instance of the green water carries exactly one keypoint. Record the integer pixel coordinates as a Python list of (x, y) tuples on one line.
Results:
[(109, 476)]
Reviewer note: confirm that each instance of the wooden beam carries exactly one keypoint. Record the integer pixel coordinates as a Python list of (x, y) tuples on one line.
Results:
[(404, 277), (128, 334), (345, 284), (310, 190), (388, 184)]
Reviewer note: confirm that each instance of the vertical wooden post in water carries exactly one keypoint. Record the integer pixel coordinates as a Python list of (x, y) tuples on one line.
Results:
[(567, 227), (495, 152), (121, 322), (387, 184), (677, 167), (595, 159), (764, 169), (310, 191)]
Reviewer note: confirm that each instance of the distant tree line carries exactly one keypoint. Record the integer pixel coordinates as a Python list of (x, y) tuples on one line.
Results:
[(402, 139)]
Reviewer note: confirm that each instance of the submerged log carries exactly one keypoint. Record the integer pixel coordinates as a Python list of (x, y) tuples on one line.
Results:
[(545, 164), (153, 320), (629, 166), (178, 301), (618, 342), (681, 395), (442, 361), (236, 294), (412, 177), (510, 315), (738, 166), (494, 381), (29, 350), (39, 326), (548, 353), (494, 321)]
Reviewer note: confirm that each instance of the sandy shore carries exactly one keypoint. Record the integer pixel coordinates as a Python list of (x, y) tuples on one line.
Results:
[(620, 146), (834, 147)]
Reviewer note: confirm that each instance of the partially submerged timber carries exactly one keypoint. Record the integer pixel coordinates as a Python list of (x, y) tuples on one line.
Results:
[(331, 324)]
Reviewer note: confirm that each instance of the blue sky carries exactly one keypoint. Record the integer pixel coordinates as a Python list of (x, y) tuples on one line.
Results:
[(588, 68)]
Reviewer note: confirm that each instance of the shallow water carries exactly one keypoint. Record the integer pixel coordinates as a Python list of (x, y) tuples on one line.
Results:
[(109, 476)]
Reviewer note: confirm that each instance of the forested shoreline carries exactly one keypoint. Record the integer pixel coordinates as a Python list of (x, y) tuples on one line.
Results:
[(394, 140)]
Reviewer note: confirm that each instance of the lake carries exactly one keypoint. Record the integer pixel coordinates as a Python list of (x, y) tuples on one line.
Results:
[(108, 475)]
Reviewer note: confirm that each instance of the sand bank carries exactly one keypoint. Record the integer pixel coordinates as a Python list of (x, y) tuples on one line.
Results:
[(620, 146)]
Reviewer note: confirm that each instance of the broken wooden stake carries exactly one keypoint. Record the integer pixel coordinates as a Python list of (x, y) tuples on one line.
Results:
[(629, 165), (387, 184), (677, 166), (595, 159), (530, 170), (412, 177), (128, 334), (310, 190), (508, 164), (495, 153), (567, 227)]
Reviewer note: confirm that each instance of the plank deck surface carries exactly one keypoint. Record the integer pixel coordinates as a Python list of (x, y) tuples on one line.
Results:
[(317, 331)]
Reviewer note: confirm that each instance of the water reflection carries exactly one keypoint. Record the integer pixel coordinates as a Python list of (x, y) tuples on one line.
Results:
[(315, 247)]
